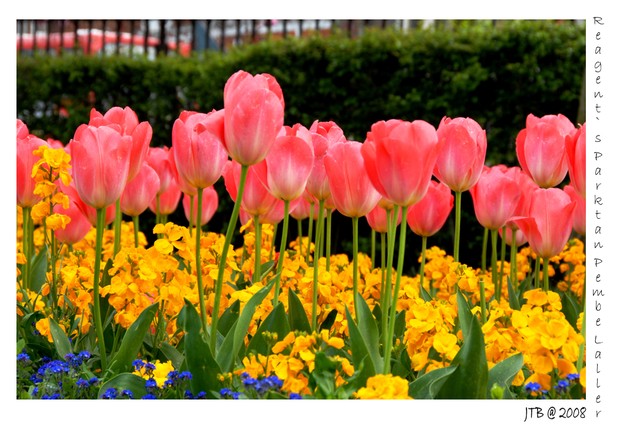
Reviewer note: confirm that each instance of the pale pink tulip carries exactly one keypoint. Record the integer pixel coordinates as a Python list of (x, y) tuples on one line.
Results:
[(79, 225), (495, 196), (289, 163), (580, 213), (428, 216), (377, 218), (22, 131), (209, 205), (324, 135), (140, 191), (168, 200), (256, 199), (463, 147), (576, 146), (520, 238), (253, 116), (159, 159)]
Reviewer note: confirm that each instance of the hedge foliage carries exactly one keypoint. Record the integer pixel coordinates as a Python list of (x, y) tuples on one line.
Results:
[(496, 73)]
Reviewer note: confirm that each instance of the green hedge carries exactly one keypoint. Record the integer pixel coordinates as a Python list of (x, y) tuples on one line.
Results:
[(496, 73)]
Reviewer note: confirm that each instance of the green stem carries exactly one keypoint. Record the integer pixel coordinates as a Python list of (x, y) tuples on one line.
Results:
[(116, 229), (503, 250), (27, 245), (456, 239), (373, 248), (494, 257), (316, 261), (54, 289), (483, 301), (583, 330), (97, 314), (310, 231), (536, 282), (157, 209), (356, 276), (257, 248), (383, 257), (396, 291), (136, 230), (545, 272), (327, 252), (513, 266), (385, 291), (299, 221), (283, 249), (485, 240), (223, 259), (422, 258), (191, 198), (203, 309)]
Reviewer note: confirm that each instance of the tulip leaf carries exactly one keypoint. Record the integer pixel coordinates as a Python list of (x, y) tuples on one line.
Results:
[(125, 381), (197, 354), (329, 320), (514, 297), (503, 372), (60, 339), (298, 319), (234, 340), (172, 354), (276, 323), (369, 332), (106, 278), (132, 341), (229, 316), (428, 385), (570, 309), (361, 358), (38, 270)]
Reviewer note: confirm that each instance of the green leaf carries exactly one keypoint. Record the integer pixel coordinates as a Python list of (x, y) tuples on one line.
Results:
[(329, 320), (424, 294), (514, 297), (38, 273), (570, 309), (277, 323), (298, 319), (132, 341), (503, 372), (125, 381), (106, 278), (465, 317), (428, 385), (60, 339), (361, 359), (229, 317), (172, 354), (369, 331), (234, 341)]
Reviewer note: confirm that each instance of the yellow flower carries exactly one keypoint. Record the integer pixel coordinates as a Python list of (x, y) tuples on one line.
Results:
[(57, 221), (446, 344), (384, 386)]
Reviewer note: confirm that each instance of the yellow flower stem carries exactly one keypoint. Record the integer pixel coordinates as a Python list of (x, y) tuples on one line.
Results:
[(136, 230), (545, 273), (257, 248), (283, 249), (97, 314), (503, 250), (514, 260), (327, 252), (316, 262), (244, 169), (373, 248), (485, 240), (396, 291), (494, 258), (116, 229), (422, 258), (203, 309), (27, 245), (456, 238), (354, 222)]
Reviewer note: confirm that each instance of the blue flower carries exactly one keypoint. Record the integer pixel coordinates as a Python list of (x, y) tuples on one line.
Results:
[(228, 394), (151, 384), (149, 397), (138, 364), (563, 385), (82, 383), (84, 354), (573, 376), (23, 357), (149, 366), (110, 393), (532, 387), (94, 381), (185, 375), (295, 396), (127, 393), (202, 395)]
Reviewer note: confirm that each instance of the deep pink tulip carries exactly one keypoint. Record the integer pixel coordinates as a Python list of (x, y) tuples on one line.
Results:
[(377, 217), (140, 191), (22, 131), (323, 135), (256, 199), (302, 208), (79, 225), (253, 116), (289, 163), (25, 184), (159, 159), (99, 164), (541, 151), (209, 205), (549, 223), (168, 200), (495, 196), (463, 147), (427, 217), (580, 213), (576, 146), (198, 149), (351, 189), (399, 157), (127, 121)]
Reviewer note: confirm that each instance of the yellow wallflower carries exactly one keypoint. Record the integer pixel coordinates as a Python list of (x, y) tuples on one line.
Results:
[(384, 386)]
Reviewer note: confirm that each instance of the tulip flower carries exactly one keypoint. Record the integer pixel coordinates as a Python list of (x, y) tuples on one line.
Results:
[(22, 131), (548, 224), (25, 184), (399, 157), (167, 202), (576, 146), (427, 217), (209, 204), (580, 213), (159, 159), (288, 165), (79, 226), (138, 195), (352, 191), (541, 151)]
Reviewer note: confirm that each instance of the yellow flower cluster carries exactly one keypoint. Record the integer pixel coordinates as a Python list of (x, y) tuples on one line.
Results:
[(54, 164), (384, 386)]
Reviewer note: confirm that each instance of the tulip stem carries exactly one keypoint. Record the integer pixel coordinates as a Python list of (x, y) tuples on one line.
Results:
[(503, 250), (299, 221), (244, 169), (583, 329), (485, 240), (27, 245), (456, 239), (283, 249), (316, 261), (310, 230), (373, 248), (383, 256), (422, 258), (97, 314), (494, 263), (136, 230), (327, 252), (537, 273), (203, 309), (117, 229), (514, 260), (191, 213), (545, 272), (385, 291), (396, 291), (354, 222), (257, 249), (483, 301)]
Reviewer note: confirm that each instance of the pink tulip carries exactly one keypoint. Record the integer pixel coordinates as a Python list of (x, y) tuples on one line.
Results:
[(253, 116), (256, 199), (463, 147), (351, 189), (209, 205), (549, 223), (541, 151), (377, 219), (289, 163), (127, 121), (25, 147), (520, 238), (399, 157), (22, 131), (158, 159), (79, 225), (302, 208), (580, 213), (140, 191), (89, 212), (324, 135), (427, 217), (186, 188), (576, 146), (495, 196), (99, 164), (198, 149), (168, 200)]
